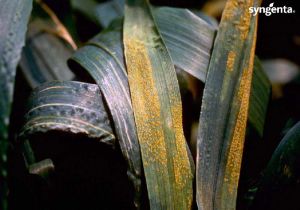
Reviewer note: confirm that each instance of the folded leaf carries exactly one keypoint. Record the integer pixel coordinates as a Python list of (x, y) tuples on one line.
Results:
[(68, 107), (224, 108), (14, 16), (103, 59)]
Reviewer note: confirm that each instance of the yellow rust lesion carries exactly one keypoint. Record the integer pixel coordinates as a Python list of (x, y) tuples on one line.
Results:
[(145, 101), (150, 124), (245, 21), (230, 61), (181, 164), (237, 12), (233, 165), (237, 144)]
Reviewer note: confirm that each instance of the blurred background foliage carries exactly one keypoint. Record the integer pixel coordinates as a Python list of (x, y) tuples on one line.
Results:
[(61, 27)]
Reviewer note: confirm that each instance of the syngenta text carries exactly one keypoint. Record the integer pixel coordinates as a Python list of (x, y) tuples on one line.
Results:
[(271, 10)]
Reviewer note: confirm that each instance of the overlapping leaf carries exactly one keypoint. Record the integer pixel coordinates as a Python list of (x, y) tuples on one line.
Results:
[(224, 108), (103, 60), (190, 46), (91, 57), (68, 107), (157, 110)]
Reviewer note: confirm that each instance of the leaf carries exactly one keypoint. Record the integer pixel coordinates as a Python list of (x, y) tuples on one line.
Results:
[(86, 7), (279, 186), (100, 13), (108, 11), (188, 38), (224, 108), (259, 98), (73, 107), (14, 16), (103, 59), (44, 56), (157, 110)]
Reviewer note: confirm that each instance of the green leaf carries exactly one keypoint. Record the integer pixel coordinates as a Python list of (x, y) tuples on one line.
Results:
[(224, 108), (102, 14), (108, 11), (44, 56), (157, 110), (87, 7), (103, 59), (259, 98), (72, 107), (281, 175), (14, 16), (188, 38)]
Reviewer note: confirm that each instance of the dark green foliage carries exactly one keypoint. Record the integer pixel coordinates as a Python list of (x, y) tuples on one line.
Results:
[(14, 16), (113, 138)]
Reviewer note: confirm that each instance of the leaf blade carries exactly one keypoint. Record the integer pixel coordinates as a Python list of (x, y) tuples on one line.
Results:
[(14, 16), (157, 110), (225, 108)]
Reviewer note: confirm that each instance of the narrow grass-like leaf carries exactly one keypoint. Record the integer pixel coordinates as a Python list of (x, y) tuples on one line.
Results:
[(103, 59), (157, 110), (100, 13), (68, 107), (259, 98), (279, 187), (108, 11), (224, 108), (188, 38), (190, 47), (14, 16), (44, 56)]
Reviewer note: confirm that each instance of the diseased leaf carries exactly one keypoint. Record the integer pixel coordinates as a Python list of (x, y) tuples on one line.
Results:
[(279, 187), (103, 58), (190, 44), (224, 108), (44, 56), (14, 16), (68, 107), (157, 110)]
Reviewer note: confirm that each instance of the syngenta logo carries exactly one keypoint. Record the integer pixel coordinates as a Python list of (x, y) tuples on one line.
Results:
[(271, 10)]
